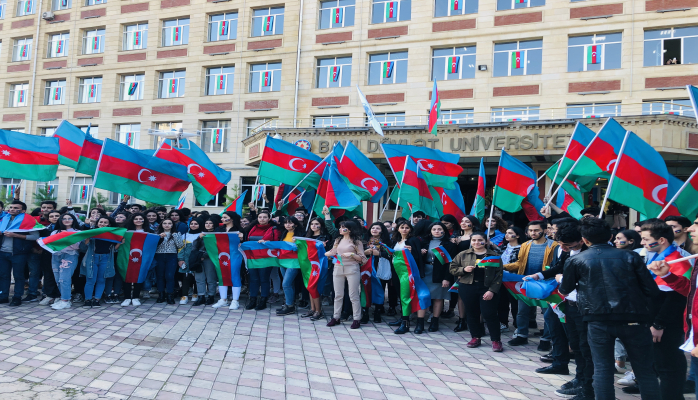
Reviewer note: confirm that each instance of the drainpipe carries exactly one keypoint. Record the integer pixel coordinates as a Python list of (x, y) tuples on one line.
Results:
[(36, 56), (298, 63)]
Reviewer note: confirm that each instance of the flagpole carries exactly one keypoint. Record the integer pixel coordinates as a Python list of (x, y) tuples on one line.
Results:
[(404, 171), (552, 196), (307, 175), (487, 232), (94, 181), (387, 203), (563, 157), (676, 196), (613, 175), (312, 210), (255, 191)]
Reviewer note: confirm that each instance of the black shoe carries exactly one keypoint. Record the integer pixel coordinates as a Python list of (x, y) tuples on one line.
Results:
[(251, 303), (95, 303), (30, 297), (286, 310), (548, 358), (303, 304), (161, 298), (87, 303), (404, 326), (170, 299), (364, 316), (210, 300), (544, 345), (689, 387), (419, 327), (574, 383), (461, 325), (261, 304), (4, 301), (434, 326), (391, 312), (397, 322), (635, 389), (518, 341), (16, 302), (569, 392), (554, 370), (201, 300), (377, 315), (449, 314)]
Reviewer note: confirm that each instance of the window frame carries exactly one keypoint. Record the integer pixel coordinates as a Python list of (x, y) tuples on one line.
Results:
[(318, 67), (57, 6), (275, 24), (52, 187), (395, 67), (229, 81), (383, 117), (135, 134), (64, 43), (76, 186), (322, 9), (332, 118), (461, 62), (515, 2), (684, 109), (469, 116), (249, 129), (662, 49), (89, 3), (3, 7), (184, 41), (51, 91), (180, 83), (100, 39), (143, 35), (594, 115), (84, 89), (462, 8), (384, 7), (24, 87), (164, 126), (261, 79), (586, 46), (510, 55), (218, 24), (207, 144), (123, 93), (26, 41), (526, 113), (22, 8)]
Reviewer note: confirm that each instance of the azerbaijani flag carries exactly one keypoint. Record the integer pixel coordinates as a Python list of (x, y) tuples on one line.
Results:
[(517, 59), (313, 265), (567, 203), (682, 268), (61, 240), (217, 136), (283, 162), (414, 293), (29, 157), (269, 23), (489, 261), (21, 223), (135, 256), (84, 191), (338, 15), (390, 11), (514, 182), (592, 55), (685, 203), (57, 94), (93, 91), (95, 43), (180, 203), (453, 5), (89, 155), (388, 67), (439, 168), (270, 254), (294, 199), (453, 63), (333, 192), (221, 82), (222, 249), (132, 88), (369, 280), (70, 141), (478, 209), (362, 175), (236, 205), (442, 255), (335, 73), (266, 78), (175, 34), (514, 284), (451, 201), (414, 193), (59, 46), (172, 86), (224, 28), (136, 38), (434, 110)]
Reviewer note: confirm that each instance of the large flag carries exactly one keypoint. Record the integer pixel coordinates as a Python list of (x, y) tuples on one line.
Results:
[(128, 171), (515, 180), (581, 138), (21, 223), (414, 293), (70, 139), (61, 240), (478, 209), (206, 177), (413, 193), (362, 175), (270, 254), (685, 204), (222, 249), (602, 154), (682, 268), (369, 113), (434, 110), (89, 155), (439, 168), (30, 157), (313, 264), (334, 193), (135, 256), (451, 201), (567, 203), (371, 286), (574, 186), (236, 205), (284, 162)]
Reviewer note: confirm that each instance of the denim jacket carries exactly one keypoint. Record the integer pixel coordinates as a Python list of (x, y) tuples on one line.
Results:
[(87, 266)]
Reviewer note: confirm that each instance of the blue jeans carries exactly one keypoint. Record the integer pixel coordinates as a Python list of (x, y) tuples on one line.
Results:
[(12, 264), (63, 266), (165, 270), (150, 278), (638, 342), (97, 281), (522, 319), (561, 352), (34, 273), (289, 284), (259, 281), (693, 372)]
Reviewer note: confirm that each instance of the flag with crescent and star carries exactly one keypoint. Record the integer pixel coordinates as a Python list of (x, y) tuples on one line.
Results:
[(451, 201), (568, 204), (222, 249), (362, 175), (515, 180), (20, 223), (270, 254), (478, 209), (284, 162), (439, 168), (30, 157), (206, 177), (313, 264), (70, 140), (685, 204), (89, 155), (369, 280), (434, 110), (132, 172), (61, 240), (135, 256), (414, 193), (334, 193), (294, 199), (414, 293), (236, 205)]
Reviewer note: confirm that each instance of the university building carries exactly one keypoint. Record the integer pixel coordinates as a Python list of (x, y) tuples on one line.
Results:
[(513, 74)]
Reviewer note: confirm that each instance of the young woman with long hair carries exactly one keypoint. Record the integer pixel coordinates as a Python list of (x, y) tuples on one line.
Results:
[(403, 238), (166, 256), (291, 227), (452, 225), (436, 274), (195, 228), (98, 264), (317, 231), (628, 240), (153, 219), (64, 262), (138, 223), (49, 288), (231, 223), (495, 227), (113, 285), (262, 228), (513, 238), (207, 277), (376, 234)]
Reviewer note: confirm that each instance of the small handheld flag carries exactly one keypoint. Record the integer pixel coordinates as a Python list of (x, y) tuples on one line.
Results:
[(442, 255), (180, 203), (236, 205), (489, 261)]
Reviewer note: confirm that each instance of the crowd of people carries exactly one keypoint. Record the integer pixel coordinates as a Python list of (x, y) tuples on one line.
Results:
[(615, 310)]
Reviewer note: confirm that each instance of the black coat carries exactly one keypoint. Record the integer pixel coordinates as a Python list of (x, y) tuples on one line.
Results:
[(441, 271), (557, 266)]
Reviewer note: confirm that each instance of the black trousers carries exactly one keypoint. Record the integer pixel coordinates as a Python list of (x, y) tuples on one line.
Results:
[(50, 288), (670, 362), (77, 279), (505, 301), (134, 288), (392, 292), (576, 330), (475, 306)]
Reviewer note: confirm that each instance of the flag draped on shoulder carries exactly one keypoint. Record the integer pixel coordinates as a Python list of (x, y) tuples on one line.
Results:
[(313, 265), (515, 180), (135, 256), (89, 155), (414, 293), (270, 254), (442, 255), (284, 162), (222, 249), (681, 269), (236, 205), (20, 223), (30, 157), (362, 175), (478, 209), (439, 168), (61, 240), (70, 139)]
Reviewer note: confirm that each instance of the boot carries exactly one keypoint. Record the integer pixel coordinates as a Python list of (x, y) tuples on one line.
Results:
[(201, 300), (397, 322), (261, 304), (170, 298), (210, 300), (419, 329), (461, 325), (364, 315), (161, 298), (251, 303), (404, 326), (434, 326), (377, 315)]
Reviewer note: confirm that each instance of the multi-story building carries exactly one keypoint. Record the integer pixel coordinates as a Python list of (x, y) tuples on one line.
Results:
[(513, 69)]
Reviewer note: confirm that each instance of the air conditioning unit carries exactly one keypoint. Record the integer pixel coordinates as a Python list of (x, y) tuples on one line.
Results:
[(48, 15)]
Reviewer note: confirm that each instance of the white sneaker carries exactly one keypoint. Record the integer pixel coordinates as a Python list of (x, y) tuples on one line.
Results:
[(234, 305), (194, 297), (221, 303), (126, 302), (136, 302), (46, 301), (184, 300), (627, 380), (61, 305)]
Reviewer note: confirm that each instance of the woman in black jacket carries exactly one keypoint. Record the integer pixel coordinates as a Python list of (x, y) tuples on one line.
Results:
[(437, 275), (317, 231), (403, 239), (376, 234)]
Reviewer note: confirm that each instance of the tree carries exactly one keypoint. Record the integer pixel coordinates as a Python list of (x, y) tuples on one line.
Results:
[(99, 198), (5, 195), (44, 193)]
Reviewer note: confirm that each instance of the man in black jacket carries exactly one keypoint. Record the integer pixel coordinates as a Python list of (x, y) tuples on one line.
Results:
[(614, 291)]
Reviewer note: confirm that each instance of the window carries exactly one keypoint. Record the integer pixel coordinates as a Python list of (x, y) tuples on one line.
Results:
[(387, 68), (171, 84), (463, 116), (54, 93), (93, 130), (267, 21), (175, 32), (518, 58), (3, 3), (445, 8), (164, 126), (9, 186), (131, 87), (265, 77), (525, 113), (80, 189), (129, 134), (95, 2), (333, 72), (453, 63), (594, 110), (18, 94), (336, 13), (671, 46), (391, 11), (58, 5), (594, 52), (48, 132), (49, 188), (90, 90), (389, 119), (58, 45), (25, 7), (331, 121), (248, 183), (516, 4), (219, 200), (22, 49), (93, 41), (220, 80), (214, 136), (254, 125), (670, 106), (135, 37), (223, 27)]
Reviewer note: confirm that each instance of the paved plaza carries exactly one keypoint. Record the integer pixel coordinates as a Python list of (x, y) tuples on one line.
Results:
[(159, 351)]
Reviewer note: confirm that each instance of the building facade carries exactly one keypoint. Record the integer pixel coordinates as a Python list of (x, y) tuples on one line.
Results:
[(232, 69)]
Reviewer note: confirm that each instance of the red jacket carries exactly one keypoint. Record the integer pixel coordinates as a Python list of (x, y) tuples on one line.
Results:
[(267, 232), (687, 287)]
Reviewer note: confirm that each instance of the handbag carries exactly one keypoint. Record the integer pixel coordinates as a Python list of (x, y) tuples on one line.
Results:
[(383, 271)]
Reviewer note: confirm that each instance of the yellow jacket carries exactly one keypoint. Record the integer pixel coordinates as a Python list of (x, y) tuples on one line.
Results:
[(519, 266)]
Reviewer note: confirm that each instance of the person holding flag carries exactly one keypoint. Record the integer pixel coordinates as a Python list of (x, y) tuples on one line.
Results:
[(377, 234), (188, 279), (98, 264), (291, 227), (166, 257), (439, 253), (64, 262), (207, 277), (132, 291), (231, 223), (263, 228), (316, 231), (479, 272), (49, 288)]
